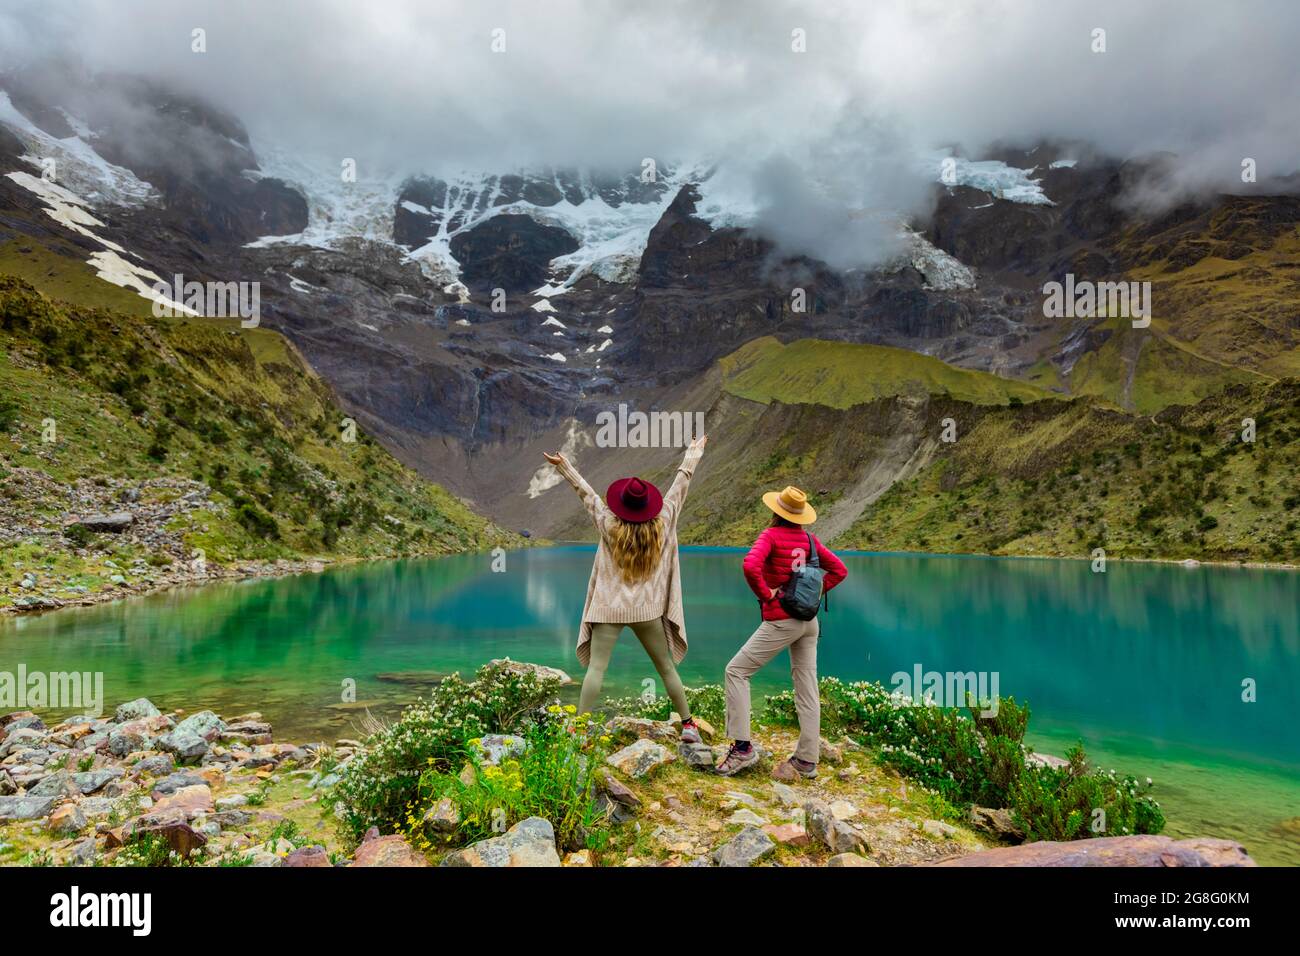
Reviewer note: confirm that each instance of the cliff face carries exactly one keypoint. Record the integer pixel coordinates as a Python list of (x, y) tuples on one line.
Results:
[(617, 290)]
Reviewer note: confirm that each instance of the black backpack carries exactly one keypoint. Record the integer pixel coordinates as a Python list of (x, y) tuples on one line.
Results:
[(802, 595)]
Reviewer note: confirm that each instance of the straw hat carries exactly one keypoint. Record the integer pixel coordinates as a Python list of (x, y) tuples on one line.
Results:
[(791, 504)]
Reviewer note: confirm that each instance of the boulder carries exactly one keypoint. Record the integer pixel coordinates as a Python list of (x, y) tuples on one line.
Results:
[(639, 728), (1136, 850), (529, 842), (746, 816), (744, 849), (386, 851), (7, 785), (541, 671), (115, 523), (307, 856), (831, 753), (21, 739), (136, 709), (640, 758), (835, 834), (786, 794), (997, 823)]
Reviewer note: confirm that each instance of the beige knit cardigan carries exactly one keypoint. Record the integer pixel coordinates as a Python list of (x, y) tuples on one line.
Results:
[(610, 599)]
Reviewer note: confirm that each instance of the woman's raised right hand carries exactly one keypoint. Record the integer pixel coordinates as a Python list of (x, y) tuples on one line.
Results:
[(556, 458)]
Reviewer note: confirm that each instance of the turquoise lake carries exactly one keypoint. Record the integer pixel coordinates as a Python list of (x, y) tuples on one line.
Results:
[(1144, 663)]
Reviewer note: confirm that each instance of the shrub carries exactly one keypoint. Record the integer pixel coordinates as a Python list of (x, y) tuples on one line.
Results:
[(968, 758), (555, 778), (379, 786), (708, 703)]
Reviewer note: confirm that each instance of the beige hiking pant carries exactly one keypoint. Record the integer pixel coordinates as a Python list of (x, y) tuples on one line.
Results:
[(771, 638)]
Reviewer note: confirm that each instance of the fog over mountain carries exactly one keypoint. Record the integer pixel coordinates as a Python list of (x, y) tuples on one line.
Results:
[(808, 138)]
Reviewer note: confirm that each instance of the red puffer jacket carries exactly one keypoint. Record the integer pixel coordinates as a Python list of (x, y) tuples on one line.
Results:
[(771, 559)]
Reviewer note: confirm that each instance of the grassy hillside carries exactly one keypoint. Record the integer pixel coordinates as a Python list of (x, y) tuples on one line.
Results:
[(219, 439), (843, 374), (1065, 478)]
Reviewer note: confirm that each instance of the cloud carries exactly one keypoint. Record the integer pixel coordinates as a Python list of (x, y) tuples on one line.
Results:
[(415, 85)]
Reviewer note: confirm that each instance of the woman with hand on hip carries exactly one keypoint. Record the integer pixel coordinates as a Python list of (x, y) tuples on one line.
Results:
[(783, 547), (636, 579)]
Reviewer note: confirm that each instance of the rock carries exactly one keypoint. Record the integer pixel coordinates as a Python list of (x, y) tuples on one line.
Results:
[(746, 816), (307, 856), (786, 794), (444, 816), (790, 834), (127, 740), (204, 724), (850, 859), (937, 828), (1046, 760), (36, 603), (529, 842), (843, 810), (1137, 850), (706, 728), (174, 781), (836, 834), (22, 720), (386, 851), (156, 766), (495, 748), (640, 728), (184, 745), (193, 801), (7, 785), (580, 858), (744, 849), (58, 784), (996, 822), (115, 523), (136, 709), (67, 820), (831, 753), (20, 739), (541, 671), (92, 780), (618, 791), (232, 819), (179, 836), (94, 807), (696, 755), (83, 853), (640, 758), (231, 802)]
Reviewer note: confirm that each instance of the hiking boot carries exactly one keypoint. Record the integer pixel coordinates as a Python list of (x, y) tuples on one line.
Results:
[(737, 760), (690, 733), (794, 768)]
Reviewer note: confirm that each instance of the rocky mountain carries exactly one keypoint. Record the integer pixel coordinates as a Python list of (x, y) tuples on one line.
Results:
[(470, 318)]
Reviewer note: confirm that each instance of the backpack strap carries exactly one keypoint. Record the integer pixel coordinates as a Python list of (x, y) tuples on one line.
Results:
[(812, 550)]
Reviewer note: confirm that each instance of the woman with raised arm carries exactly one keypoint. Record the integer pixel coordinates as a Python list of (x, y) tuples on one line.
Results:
[(636, 580)]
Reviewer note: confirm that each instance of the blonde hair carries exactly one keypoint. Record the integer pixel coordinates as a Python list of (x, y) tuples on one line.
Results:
[(636, 546)]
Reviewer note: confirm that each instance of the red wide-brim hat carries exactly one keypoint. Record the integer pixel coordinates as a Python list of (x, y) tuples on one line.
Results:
[(634, 500)]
